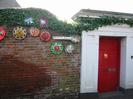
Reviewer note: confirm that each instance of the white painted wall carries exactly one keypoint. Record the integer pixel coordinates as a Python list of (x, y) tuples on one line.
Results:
[(90, 55), (89, 68), (129, 63), (123, 63)]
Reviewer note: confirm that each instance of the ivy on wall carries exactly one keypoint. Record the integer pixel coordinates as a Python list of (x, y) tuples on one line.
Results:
[(89, 24), (16, 17)]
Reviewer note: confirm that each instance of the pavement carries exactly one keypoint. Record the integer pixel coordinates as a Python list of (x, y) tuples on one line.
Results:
[(116, 95), (110, 95)]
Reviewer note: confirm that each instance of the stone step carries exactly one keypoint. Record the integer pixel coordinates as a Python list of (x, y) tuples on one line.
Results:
[(111, 94)]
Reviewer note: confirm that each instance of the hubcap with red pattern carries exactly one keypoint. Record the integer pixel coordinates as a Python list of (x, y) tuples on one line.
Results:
[(2, 33)]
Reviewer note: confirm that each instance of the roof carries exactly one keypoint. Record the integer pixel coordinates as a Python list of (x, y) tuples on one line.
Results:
[(8, 4), (97, 13)]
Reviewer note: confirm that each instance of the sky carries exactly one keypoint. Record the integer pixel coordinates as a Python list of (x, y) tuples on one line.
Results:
[(65, 9)]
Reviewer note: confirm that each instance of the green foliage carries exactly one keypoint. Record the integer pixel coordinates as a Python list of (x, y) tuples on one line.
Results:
[(86, 23), (15, 17)]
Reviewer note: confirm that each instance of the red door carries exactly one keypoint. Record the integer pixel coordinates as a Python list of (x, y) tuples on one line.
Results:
[(109, 64)]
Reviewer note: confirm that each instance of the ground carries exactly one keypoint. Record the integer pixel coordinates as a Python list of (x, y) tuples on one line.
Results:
[(117, 95), (130, 96)]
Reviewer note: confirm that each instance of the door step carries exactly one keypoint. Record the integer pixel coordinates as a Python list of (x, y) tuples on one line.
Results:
[(110, 94)]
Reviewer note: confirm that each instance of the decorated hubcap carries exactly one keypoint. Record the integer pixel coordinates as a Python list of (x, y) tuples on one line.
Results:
[(56, 48), (19, 33), (34, 31), (2, 33), (45, 36)]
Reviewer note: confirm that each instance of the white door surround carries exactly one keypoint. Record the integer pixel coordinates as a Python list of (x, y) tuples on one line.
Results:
[(90, 56)]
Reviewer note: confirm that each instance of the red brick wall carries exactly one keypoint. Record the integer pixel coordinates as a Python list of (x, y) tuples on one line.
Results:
[(28, 66)]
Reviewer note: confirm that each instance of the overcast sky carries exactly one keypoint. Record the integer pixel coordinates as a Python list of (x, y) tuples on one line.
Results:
[(65, 9)]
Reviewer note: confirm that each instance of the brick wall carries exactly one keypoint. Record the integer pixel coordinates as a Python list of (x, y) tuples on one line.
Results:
[(28, 70)]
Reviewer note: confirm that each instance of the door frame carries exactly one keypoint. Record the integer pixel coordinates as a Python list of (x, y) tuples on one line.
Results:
[(90, 55)]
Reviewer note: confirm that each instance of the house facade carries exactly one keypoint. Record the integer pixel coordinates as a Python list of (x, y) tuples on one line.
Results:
[(29, 68), (107, 55)]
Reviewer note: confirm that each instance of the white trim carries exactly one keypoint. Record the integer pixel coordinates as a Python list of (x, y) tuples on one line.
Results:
[(90, 56)]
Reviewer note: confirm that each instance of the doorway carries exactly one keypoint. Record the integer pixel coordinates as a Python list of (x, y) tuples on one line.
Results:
[(109, 64)]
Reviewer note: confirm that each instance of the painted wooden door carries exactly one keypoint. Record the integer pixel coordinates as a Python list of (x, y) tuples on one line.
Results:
[(109, 64)]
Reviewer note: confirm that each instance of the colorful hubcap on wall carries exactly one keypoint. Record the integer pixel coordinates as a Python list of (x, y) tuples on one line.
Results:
[(45, 36), (19, 33), (2, 33), (56, 48), (34, 32)]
